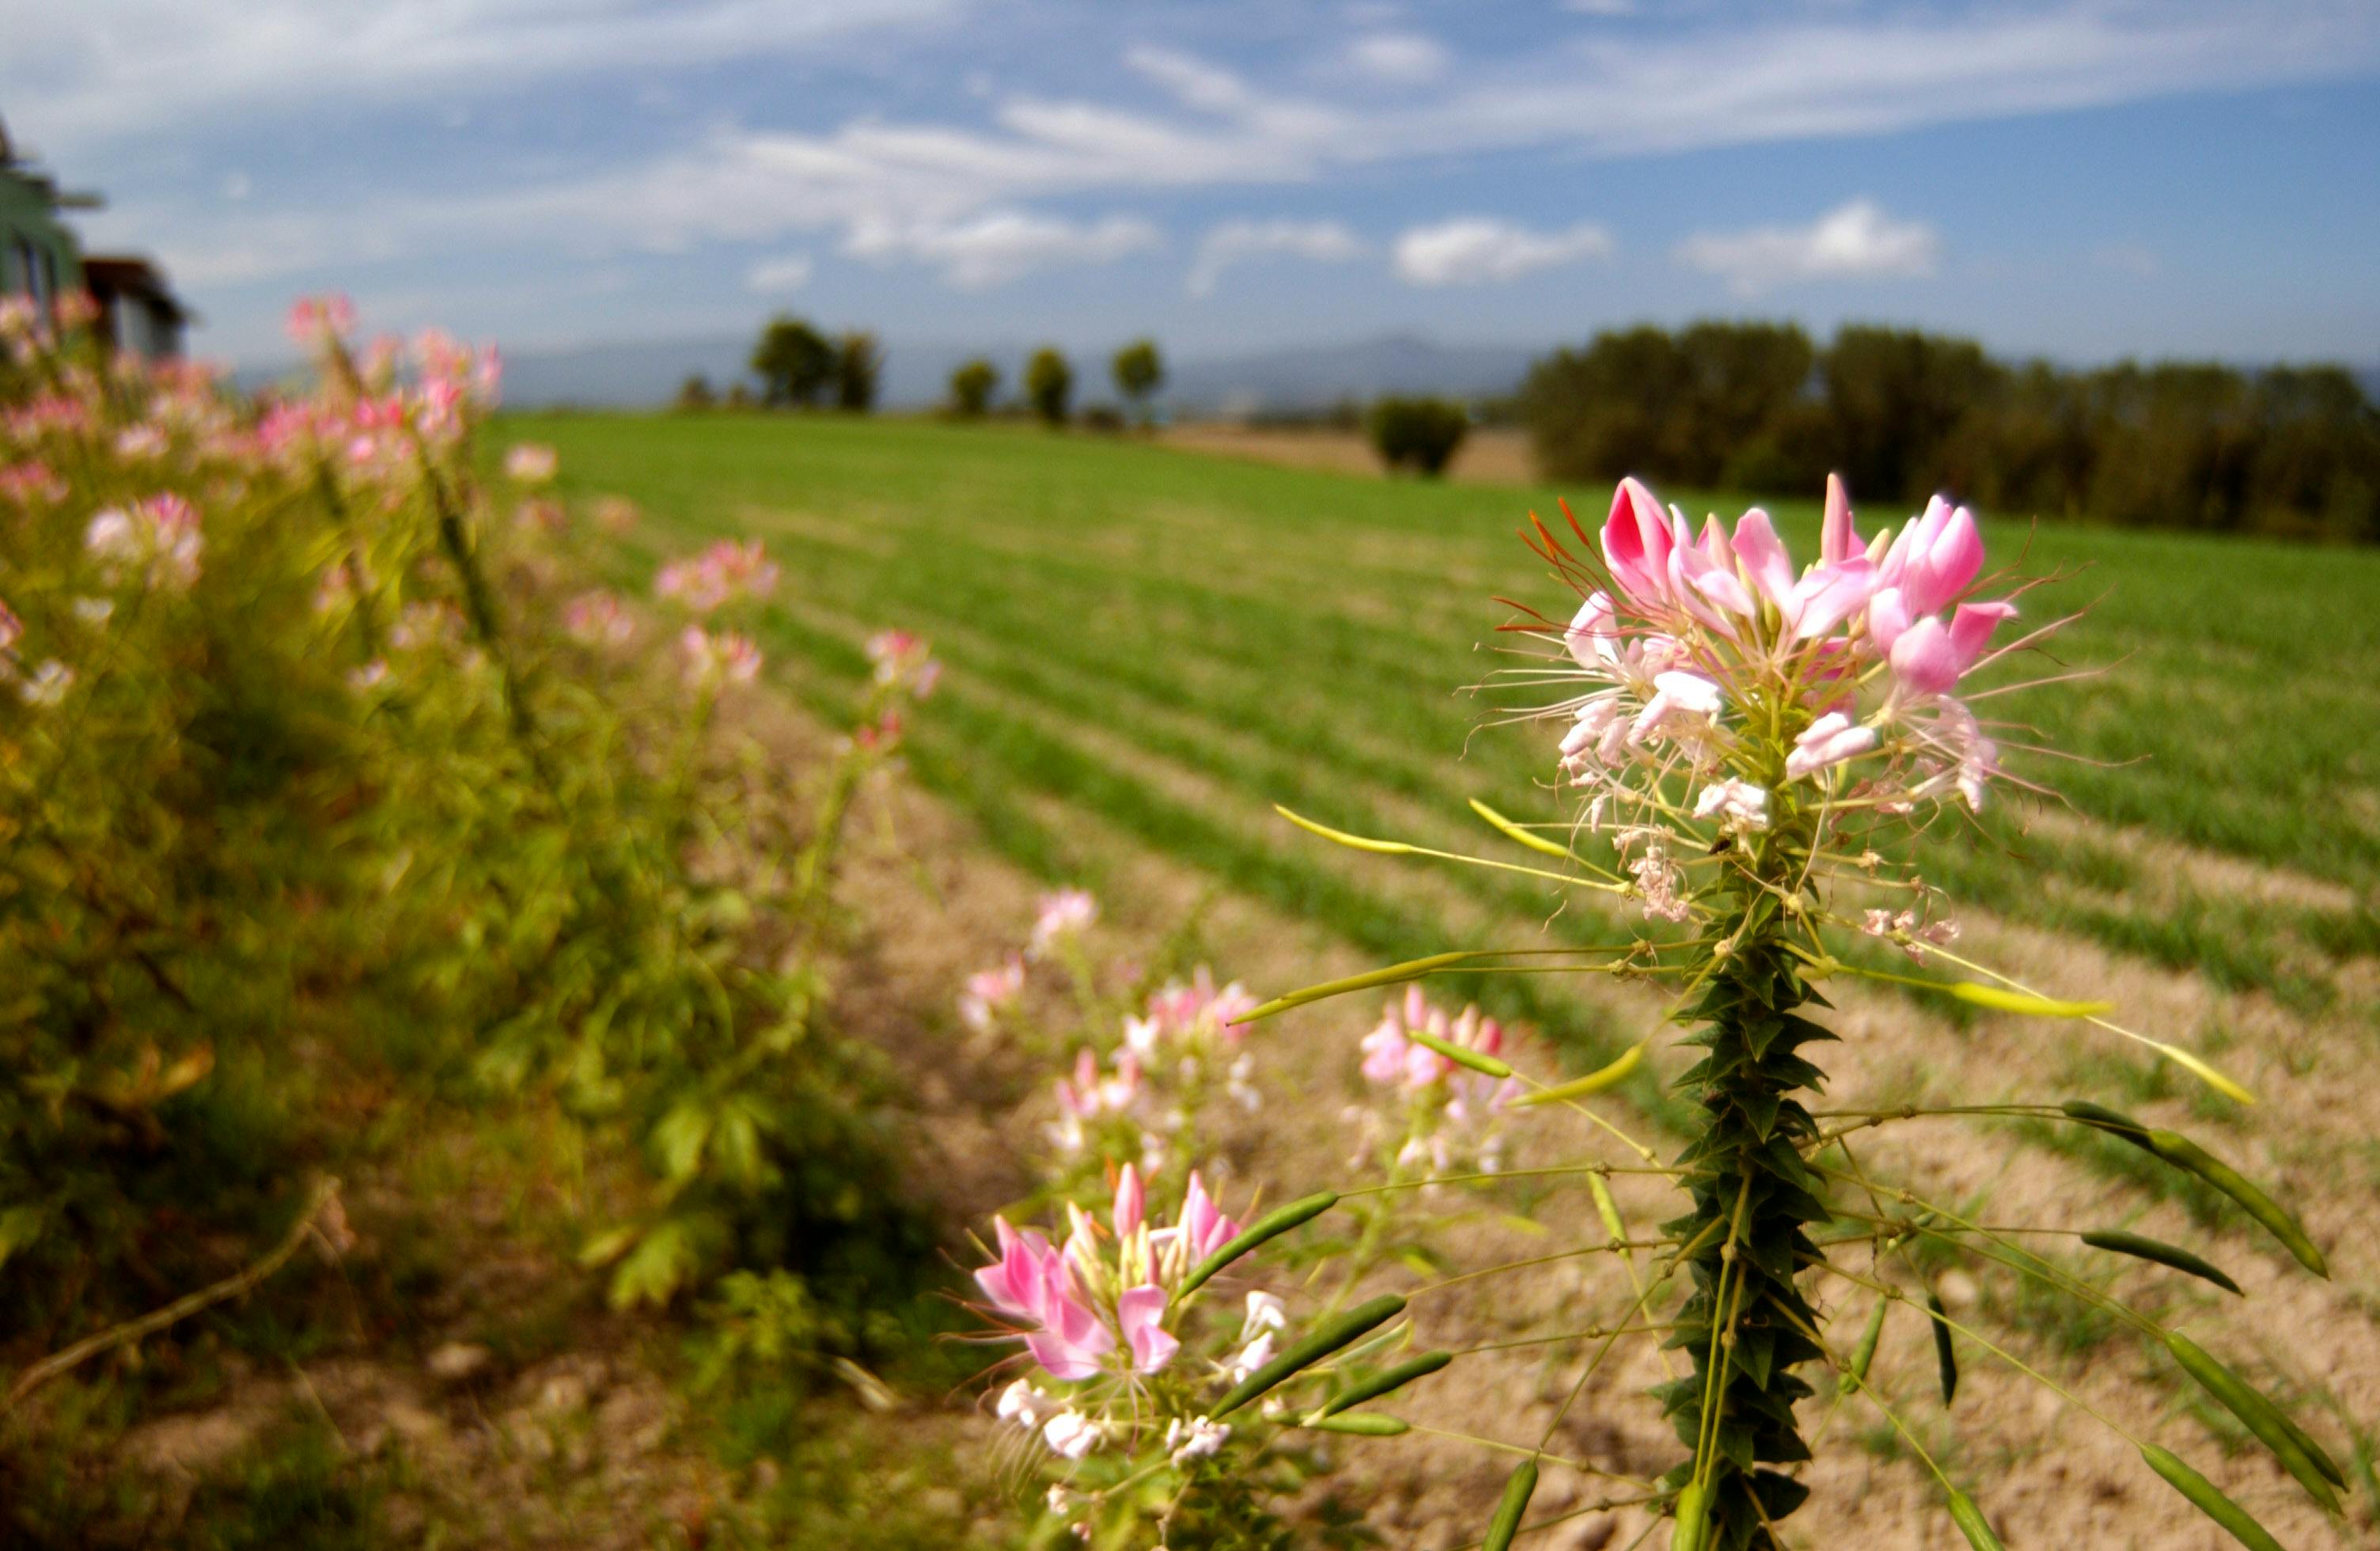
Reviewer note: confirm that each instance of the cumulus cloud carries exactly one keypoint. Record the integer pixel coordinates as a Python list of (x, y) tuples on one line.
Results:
[(1476, 250), (1322, 242), (790, 273), (1855, 241), (1003, 245), (1406, 58)]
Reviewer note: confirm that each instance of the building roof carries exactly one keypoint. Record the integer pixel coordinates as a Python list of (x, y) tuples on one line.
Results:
[(121, 275)]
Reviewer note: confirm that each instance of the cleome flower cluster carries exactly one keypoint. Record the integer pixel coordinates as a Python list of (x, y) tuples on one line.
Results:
[(1711, 680)]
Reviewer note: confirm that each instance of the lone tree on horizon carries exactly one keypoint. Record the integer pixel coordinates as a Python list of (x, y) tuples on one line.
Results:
[(794, 361), (1048, 384), (859, 371), (972, 386), (1139, 371)]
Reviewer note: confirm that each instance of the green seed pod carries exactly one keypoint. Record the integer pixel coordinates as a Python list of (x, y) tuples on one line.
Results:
[(2256, 1413), (1864, 1355), (1395, 1379), (2146, 1248), (1458, 1054), (1395, 974), (1312, 1349), (1507, 1521), (2099, 1116), (1945, 1360), (2183, 1152), (1593, 1082), (2212, 1503), (1364, 1424), (1971, 1523), (2001, 999), (2314, 1451), (1270, 1226), (2187, 1156), (1608, 1209), (1691, 1508)]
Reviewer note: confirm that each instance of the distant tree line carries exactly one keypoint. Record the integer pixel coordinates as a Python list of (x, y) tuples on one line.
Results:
[(798, 366), (1138, 371), (1757, 407)]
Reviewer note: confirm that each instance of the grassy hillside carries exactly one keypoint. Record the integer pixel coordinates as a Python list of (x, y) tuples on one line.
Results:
[(1173, 643)]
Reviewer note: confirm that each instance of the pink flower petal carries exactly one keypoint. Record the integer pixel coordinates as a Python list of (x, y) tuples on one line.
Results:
[(1138, 1311), (1764, 558), (1924, 660)]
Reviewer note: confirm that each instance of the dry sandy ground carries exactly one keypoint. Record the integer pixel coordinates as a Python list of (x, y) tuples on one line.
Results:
[(1489, 455)]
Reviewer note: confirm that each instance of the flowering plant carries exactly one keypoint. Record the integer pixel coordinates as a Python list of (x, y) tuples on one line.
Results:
[(1748, 743), (300, 741), (1148, 1063), (1154, 1410)]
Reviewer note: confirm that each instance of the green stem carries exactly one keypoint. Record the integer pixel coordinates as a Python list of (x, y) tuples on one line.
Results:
[(1745, 1325)]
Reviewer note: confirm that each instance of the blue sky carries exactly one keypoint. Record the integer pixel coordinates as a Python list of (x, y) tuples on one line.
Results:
[(2086, 179)]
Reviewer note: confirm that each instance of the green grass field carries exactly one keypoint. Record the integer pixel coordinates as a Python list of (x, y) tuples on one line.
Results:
[(1173, 643)]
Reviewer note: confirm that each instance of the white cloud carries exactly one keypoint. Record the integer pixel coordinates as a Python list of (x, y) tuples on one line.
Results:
[(790, 273), (1003, 245), (1322, 242), (1856, 241), (1473, 251), (1406, 58), (1600, 7), (1191, 80), (945, 186)]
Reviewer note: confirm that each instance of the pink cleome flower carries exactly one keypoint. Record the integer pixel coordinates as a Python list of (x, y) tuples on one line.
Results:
[(726, 658), (722, 573), (1085, 1305), (315, 321), (1061, 916), (1695, 627)]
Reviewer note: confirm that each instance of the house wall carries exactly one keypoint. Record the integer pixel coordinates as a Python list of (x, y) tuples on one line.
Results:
[(37, 254)]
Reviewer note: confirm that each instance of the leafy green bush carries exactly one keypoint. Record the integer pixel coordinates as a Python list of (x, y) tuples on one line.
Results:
[(311, 756), (1420, 434)]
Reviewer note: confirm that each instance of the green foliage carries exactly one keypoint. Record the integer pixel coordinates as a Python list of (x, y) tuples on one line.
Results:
[(1900, 413), (1139, 371), (795, 362), (972, 386), (695, 395), (327, 779), (298, 1488), (1418, 434), (858, 372), (1686, 407), (1048, 384)]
